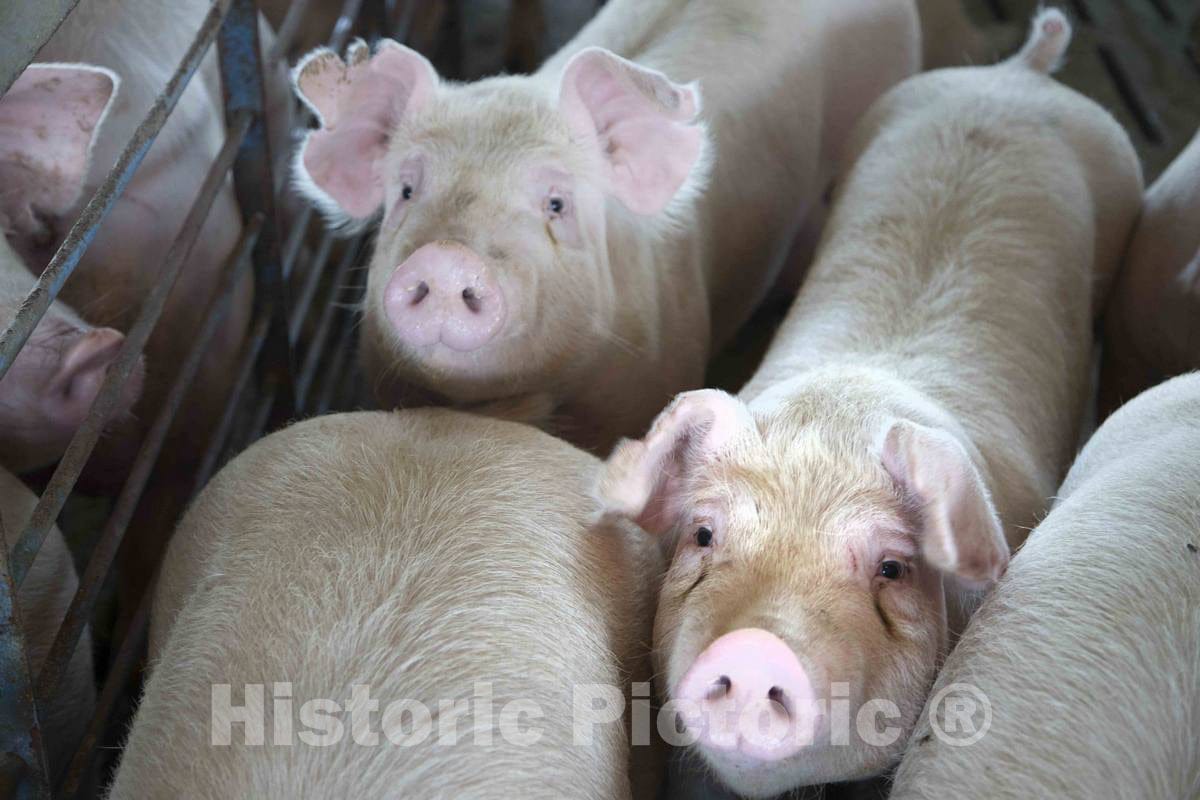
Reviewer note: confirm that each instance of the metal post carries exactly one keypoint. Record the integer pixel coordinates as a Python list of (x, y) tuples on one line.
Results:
[(23, 770), (244, 89)]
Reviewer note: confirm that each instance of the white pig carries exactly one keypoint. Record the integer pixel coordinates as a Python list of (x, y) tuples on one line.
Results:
[(584, 237), (1088, 650), (51, 385), (917, 408), (42, 602), (141, 41), (429, 555), (1152, 324)]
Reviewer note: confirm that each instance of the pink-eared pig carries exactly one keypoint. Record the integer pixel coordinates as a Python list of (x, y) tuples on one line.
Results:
[(1152, 323), (42, 602), (917, 408), (578, 241), (1088, 650), (51, 385), (141, 42), (429, 556)]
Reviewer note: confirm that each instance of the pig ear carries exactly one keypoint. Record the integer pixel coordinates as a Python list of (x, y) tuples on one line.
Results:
[(358, 103), (645, 480), (960, 530), (643, 126), (69, 394), (48, 121)]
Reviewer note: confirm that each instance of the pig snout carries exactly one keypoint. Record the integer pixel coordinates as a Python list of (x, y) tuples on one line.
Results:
[(748, 693), (444, 293)]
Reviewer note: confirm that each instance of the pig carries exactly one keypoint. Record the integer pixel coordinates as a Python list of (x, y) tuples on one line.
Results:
[(42, 602), (428, 555), (1105, 593), (51, 384), (833, 524), (1152, 323), (141, 41), (557, 240)]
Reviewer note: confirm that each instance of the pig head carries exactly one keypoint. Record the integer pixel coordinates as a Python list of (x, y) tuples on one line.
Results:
[(503, 206), (44, 154), (818, 538)]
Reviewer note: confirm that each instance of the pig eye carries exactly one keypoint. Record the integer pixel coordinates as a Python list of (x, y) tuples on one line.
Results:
[(891, 570), (555, 206), (704, 536), (407, 192)]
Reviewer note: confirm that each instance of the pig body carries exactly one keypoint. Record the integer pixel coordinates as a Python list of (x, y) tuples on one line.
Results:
[(919, 404), (1152, 323), (1105, 593), (418, 553), (42, 601), (602, 224)]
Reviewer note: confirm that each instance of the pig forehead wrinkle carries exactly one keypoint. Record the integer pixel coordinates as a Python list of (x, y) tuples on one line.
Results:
[(803, 488), (489, 123)]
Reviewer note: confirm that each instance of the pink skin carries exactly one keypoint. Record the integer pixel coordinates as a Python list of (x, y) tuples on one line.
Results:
[(444, 294), (748, 694), (52, 385)]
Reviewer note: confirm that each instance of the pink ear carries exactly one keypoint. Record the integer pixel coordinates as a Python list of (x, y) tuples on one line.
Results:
[(70, 393), (961, 533), (358, 102), (644, 480), (48, 121), (643, 125)]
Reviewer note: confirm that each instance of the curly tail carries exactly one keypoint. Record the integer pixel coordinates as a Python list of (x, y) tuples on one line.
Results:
[(1048, 40)]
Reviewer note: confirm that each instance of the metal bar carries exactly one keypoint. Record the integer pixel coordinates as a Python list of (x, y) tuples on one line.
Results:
[(244, 92), (84, 230), (258, 424), (340, 364), (295, 238), (24, 28), (344, 24), (119, 676), (85, 438), (308, 289), (287, 30), (24, 772), (308, 371), (59, 655), (253, 346)]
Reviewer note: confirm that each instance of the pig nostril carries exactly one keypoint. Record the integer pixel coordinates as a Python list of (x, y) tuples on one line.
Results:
[(776, 694), (721, 687), (420, 292), (472, 300)]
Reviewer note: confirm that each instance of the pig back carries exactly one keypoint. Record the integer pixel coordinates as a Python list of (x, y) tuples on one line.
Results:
[(420, 553), (961, 256), (1103, 598)]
